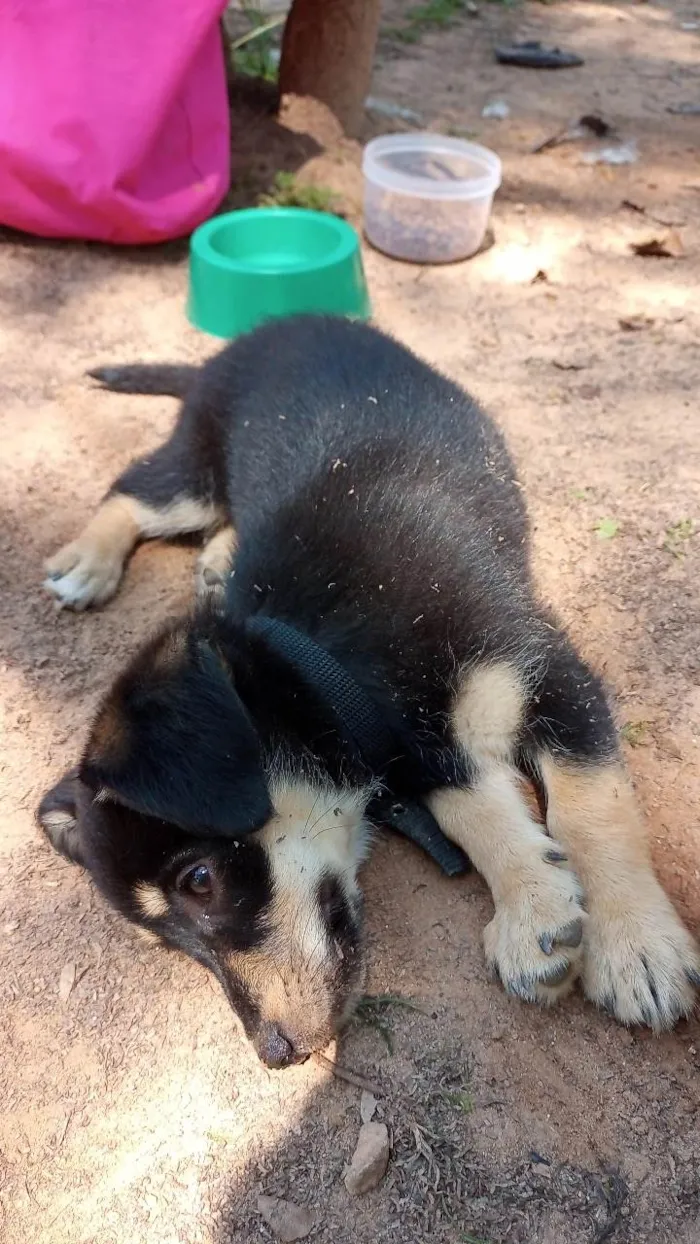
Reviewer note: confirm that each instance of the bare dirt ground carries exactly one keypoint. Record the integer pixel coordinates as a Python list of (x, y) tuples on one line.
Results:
[(131, 1109)]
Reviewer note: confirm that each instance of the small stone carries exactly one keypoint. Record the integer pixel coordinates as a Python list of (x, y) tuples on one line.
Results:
[(497, 109), (368, 1105), (287, 1220), (66, 981), (542, 1169), (370, 1159)]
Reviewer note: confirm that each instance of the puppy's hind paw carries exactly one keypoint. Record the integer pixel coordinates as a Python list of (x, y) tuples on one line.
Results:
[(642, 965)]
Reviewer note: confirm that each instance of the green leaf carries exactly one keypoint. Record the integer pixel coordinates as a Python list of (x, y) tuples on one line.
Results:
[(677, 534), (461, 1099), (606, 528), (634, 732)]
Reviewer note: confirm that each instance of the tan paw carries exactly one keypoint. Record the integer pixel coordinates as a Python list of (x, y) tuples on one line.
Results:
[(83, 573), (214, 565), (534, 942), (640, 963)]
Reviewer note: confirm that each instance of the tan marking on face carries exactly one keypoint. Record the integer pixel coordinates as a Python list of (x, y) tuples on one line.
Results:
[(488, 711), (151, 900), (633, 934), (87, 571), (292, 976)]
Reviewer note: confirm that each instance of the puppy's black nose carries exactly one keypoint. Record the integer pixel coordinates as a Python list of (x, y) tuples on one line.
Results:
[(274, 1050)]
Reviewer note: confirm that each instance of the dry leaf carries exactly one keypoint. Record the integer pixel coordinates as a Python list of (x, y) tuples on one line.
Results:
[(664, 246), (66, 981)]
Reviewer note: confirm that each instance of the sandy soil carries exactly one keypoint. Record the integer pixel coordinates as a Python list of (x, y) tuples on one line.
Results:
[(131, 1109)]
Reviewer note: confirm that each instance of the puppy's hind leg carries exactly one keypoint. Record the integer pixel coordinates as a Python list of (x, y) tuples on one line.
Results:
[(169, 493), (640, 963), (214, 564)]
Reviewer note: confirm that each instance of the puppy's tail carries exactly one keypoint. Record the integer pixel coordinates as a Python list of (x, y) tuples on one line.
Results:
[(167, 379)]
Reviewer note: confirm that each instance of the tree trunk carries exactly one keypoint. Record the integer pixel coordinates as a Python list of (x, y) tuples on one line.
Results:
[(327, 53)]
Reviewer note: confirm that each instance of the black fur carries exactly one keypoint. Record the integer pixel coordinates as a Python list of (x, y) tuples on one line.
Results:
[(184, 705), (376, 510)]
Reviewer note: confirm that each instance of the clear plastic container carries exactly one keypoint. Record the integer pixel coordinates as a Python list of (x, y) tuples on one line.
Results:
[(428, 198)]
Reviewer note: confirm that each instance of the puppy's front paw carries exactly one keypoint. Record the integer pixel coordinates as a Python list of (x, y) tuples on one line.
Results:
[(82, 574), (641, 964), (534, 941)]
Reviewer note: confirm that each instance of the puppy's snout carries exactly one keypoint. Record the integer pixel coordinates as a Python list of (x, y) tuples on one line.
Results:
[(275, 1049)]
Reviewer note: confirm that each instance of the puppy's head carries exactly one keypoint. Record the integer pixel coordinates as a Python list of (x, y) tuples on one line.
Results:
[(195, 833)]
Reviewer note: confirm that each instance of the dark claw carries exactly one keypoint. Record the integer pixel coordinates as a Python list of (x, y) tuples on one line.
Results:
[(556, 974), (651, 982), (647, 1014), (571, 934), (555, 857), (211, 578), (608, 1004), (546, 942), (521, 987), (581, 895), (693, 976), (55, 575)]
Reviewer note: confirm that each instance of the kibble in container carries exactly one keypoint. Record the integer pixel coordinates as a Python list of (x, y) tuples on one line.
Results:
[(427, 197)]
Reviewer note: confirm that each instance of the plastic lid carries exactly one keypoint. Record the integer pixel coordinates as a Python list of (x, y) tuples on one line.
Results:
[(431, 166)]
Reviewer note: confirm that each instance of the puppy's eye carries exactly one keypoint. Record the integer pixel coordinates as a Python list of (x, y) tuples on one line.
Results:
[(197, 880)]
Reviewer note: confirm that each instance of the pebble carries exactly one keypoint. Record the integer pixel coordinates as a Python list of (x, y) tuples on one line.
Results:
[(370, 1159), (497, 109), (287, 1220), (368, 1105)]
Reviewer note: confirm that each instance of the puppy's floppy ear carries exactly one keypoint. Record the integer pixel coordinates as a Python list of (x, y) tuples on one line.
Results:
[(173, 740)]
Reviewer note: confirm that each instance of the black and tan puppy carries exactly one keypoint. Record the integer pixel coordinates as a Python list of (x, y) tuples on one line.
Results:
[(220, 802)]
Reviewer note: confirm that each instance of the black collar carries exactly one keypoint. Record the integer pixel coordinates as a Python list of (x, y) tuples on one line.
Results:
[(361, 725)]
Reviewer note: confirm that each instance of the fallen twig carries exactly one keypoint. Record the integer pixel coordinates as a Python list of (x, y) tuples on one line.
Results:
[(350, 1077)]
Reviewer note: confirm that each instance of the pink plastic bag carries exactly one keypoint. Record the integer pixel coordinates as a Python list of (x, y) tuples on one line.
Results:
[(113, 117)]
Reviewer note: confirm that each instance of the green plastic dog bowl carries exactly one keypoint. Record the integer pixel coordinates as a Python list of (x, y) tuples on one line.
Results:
[(262, 263)]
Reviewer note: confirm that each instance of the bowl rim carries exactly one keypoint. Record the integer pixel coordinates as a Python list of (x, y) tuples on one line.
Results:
[(201, 241), (422, 187)]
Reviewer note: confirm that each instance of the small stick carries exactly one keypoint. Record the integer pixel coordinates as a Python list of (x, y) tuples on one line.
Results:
[(350, 1077)]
